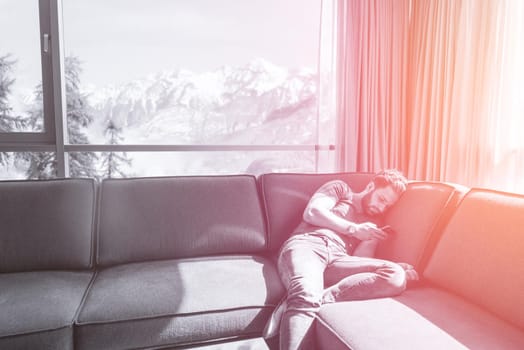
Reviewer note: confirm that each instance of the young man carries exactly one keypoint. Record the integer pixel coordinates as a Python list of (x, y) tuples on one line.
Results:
[(333, 247)]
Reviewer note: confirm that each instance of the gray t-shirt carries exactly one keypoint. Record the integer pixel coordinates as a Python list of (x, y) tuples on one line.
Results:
[(344, 207)]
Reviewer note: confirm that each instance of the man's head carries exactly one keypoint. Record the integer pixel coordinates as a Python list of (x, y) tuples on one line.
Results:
[(383, 191)]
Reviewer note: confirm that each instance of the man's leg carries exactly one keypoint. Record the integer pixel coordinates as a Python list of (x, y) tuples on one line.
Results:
[(357, 278), (301, 265)]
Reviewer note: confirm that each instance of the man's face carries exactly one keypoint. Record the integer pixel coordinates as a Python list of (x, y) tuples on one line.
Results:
[(378, 200)]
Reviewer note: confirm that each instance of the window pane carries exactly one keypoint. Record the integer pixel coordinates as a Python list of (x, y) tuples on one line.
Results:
[(192, 72), (27, 165), (132, 164), (21, 106)]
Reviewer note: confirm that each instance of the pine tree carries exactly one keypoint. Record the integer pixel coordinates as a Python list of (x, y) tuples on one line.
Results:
[(112, 162), (81, 164), (40, 165), (8, 121)]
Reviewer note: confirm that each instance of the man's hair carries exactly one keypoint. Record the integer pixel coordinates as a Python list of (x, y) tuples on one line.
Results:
[(391, 177)]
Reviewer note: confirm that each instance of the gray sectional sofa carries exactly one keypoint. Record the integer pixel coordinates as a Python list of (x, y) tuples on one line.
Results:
[(176, 262)]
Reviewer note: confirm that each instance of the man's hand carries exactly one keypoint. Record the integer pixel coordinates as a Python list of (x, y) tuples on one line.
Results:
[(368, 231), (411, 274)]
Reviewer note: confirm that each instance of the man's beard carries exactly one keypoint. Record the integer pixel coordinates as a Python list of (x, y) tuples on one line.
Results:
[(366, 208)]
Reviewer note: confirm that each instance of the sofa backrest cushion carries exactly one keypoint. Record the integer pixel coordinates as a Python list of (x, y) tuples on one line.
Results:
[(480, 255), (285, 197), (46, 224), (417, 219), (174, 217)]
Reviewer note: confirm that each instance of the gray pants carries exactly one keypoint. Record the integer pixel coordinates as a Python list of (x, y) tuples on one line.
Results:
[(308, 263)]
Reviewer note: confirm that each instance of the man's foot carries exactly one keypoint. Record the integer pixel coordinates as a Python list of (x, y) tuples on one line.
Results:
[(273, 324), (411, 274)]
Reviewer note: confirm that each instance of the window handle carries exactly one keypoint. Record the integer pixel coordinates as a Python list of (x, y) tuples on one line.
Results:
[(46, 43)]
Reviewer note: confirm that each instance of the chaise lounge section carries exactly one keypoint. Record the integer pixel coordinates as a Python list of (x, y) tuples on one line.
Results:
[(470, 293)]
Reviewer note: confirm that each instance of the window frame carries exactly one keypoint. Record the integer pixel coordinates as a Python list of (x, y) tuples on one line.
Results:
[(54, 138), (45, 140)]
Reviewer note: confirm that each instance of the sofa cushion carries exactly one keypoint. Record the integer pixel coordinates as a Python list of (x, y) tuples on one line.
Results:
[(285, 197), (480, 255), (418, 218), (46, 225), (181, 301), (37, 309), (55, 339), (175, 217), (421, 318)]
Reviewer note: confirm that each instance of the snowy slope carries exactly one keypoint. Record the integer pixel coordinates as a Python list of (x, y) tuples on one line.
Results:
[(258, 103)]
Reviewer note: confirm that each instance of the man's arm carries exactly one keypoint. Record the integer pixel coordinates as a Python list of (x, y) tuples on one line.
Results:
[(319, 212)]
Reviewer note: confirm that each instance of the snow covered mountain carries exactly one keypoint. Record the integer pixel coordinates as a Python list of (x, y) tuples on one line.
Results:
[(255, 104), (258, 103)]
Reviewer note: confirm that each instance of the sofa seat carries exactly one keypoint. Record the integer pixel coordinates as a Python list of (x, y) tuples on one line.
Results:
[(420, 318), (178, 302), (37, 309)]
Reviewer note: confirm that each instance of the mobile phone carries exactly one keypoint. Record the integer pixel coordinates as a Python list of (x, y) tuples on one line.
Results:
[(388, 229)]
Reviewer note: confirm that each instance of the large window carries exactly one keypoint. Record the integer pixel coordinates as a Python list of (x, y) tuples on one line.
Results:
[(27, 106), (20, 67), (163, 87)]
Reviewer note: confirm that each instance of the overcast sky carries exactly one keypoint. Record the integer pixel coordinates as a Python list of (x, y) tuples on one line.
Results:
[(120, 40)]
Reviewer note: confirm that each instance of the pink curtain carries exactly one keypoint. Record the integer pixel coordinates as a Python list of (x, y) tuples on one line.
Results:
[(454, 58), (433, 88), (372, 69)]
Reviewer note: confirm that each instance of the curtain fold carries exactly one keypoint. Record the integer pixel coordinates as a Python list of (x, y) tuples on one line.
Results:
[(455, 63), (371, 85), (433, 88)]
